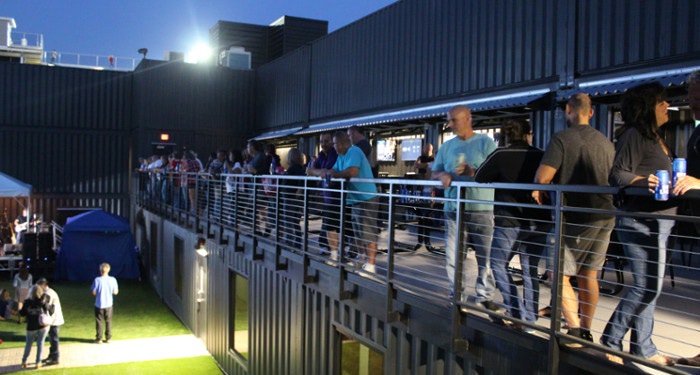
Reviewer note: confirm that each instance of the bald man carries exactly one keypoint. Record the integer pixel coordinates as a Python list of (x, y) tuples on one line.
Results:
[(456, 160), (580, 155)]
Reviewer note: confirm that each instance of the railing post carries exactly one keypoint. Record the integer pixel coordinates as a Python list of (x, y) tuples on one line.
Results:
[(556, 284)]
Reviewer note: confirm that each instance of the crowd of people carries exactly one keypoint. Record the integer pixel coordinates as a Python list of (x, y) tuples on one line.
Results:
[(40, 306), (579, 155)]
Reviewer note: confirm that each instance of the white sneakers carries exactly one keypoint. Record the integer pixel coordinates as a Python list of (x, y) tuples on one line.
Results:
[(369, 268)]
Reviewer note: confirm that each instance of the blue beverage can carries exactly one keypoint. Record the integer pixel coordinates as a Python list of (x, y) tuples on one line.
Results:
[(679, 166), (661, 191), (328, 180)]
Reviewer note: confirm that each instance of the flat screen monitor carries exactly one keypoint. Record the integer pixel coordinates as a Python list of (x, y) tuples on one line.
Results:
[(411, 149), (386, 150)]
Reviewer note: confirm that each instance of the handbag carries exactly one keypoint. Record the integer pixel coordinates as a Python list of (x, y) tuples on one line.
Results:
[(45, 319)]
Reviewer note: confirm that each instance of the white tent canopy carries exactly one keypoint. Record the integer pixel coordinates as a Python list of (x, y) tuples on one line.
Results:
[(11, 187)]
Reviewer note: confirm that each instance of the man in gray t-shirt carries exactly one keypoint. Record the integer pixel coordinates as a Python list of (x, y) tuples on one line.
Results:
[(580, 155)]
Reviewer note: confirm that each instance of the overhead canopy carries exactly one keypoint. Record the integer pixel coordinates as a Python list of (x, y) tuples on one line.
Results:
[(277, 134), (11, 187), (485, 103), (602, 87)]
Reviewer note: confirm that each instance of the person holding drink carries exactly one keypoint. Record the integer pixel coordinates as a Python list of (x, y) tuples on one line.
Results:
[(640, 153)]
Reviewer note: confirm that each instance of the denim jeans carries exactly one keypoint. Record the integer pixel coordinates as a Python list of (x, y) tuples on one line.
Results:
[(39, 336), (479, 225), (54, 341), (533, 240), (644, 242)]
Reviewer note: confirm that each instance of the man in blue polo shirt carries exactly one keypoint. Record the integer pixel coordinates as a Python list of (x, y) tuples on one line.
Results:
[(361, 197)]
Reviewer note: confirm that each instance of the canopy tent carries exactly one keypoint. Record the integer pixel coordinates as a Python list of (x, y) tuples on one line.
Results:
[(92, 238), (11, 187)]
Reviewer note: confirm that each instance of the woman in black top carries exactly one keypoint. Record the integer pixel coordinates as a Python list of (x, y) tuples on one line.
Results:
[(34, 306), (640, 152), (292, 200)]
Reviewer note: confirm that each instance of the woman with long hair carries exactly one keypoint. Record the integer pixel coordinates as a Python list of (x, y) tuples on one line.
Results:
[(640, 152), (22, 282), (32, 308)]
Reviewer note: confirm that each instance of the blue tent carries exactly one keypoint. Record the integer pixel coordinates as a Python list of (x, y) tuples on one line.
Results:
[(92, 238)]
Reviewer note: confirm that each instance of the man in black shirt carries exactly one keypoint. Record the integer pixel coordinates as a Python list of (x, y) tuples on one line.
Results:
[(358, 139)]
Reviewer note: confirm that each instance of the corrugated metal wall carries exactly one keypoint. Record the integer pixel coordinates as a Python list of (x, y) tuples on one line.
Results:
[(276, 323), (203, 107), (415, 50), (296, 328), (610, 34), (283, 90), (290, 33), (65, 132)]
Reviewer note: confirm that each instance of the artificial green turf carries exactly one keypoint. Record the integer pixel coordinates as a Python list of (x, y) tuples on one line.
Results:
[(138, 313), (203, 365)]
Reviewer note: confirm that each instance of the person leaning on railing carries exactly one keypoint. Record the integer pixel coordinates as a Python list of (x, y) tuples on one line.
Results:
[(455, 161), (580, 155), (640, 152), (330, 212), (191, 167), (361, 197), (291, 199), (516, 163), (691, 181)]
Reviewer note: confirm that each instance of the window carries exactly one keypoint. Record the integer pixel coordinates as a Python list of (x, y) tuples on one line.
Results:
[(179, 270), (356, 358), (238, 314)]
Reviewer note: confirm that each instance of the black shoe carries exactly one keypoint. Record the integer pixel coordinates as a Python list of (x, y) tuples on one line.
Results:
[(417, 246), (490, 305), (575, 332), (586, 335), (50, 362)]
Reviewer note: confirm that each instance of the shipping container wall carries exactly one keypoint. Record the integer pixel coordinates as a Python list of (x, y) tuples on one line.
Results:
[(41, 97), (283, 90), (65, 132), (615, 34), (199, 104), (415, 51)]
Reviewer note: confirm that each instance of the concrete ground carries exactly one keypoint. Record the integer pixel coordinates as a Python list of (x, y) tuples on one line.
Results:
[(117, 351)]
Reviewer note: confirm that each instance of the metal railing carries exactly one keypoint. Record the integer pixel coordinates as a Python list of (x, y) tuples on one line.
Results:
[(27, 40), (295, 213), (78, 60)]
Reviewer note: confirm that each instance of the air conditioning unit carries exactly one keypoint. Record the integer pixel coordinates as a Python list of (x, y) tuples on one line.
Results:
[(174, 56), (235, 58)]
